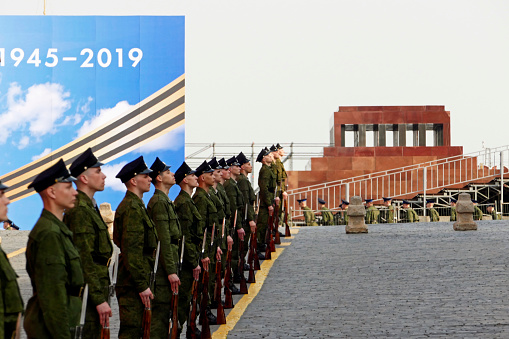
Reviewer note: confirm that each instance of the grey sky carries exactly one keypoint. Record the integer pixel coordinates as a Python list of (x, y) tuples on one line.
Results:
[(275, 71)]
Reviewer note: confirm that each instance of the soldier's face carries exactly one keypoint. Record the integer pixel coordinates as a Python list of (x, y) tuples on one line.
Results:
[(387, 203), (281, 152), (235, 170), (4, 201), (226, 174), (96, 178), (143, 182), (247, 167), (275, 155), (217, 175), (168, 178), (64, 194), (191, 180), (208, 178)]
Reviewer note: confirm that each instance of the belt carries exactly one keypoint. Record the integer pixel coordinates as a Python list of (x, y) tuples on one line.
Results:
[(174, 241), (101, 261), (75, 291), (150, 252)]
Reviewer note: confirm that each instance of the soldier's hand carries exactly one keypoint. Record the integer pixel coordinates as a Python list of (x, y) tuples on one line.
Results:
[(229, 241), (277, 200), (240, 233), (104, 311), (252, 225), (205, 263), (146, 296), (271, 209), (174, 282), (196, 273), (218, 254), (285, 195)]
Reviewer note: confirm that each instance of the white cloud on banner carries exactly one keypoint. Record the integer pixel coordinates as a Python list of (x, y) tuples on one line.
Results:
[(103, 116), (44, 153), (23, 142), (167, 142), (37, 109), (112, 182)]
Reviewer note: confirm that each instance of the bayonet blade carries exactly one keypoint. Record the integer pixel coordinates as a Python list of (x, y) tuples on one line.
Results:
[(222, 229), (157, 257), (212, 235), (115, 268), (204, 241), (84, 306), (182, 249)]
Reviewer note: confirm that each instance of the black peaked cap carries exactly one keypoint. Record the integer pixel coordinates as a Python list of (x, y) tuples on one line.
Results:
[(132, 169), (183, 171), (158, 167), (241, 158), (50, 176), (85, 161), (223, 163), (203, 168)]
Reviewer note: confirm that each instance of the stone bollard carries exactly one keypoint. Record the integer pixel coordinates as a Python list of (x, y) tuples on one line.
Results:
[(108, 216), (356, 213), (465, 214)]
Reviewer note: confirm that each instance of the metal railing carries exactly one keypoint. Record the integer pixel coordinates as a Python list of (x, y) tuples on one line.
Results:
[(407, 182)]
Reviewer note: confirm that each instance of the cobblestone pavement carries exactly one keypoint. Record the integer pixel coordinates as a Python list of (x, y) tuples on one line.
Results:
[(402, 281)]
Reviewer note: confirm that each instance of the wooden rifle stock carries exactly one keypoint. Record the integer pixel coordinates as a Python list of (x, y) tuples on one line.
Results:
[(173, 334), (250, 259), (240, 269), (221, 318), (228, 298), (105, 333), (204, 320), (287, 227), (147, 319), (193, 311), (277, 239)]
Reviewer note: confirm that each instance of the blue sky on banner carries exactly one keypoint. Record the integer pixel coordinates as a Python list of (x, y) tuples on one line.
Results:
[(47, 99)]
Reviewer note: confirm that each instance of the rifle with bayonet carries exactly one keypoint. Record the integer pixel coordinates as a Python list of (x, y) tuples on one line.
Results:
[(250, 259), (221, 318), (173, 330), (285, 213), (277, 239), (241, 261), (78, 330), (228, 298), (147, 313), (105, 331), (254, 245), (204, 320), (193, 310)]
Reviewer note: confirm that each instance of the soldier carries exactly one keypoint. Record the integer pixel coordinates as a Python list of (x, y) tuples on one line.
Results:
[(267, 185), (190, 223), (236, 204), (279, 169), (309, 215), (11, 303), (92, 240), (209, 217), (411, 215), (372, 212), (341, 216), (477, 211), (493, 212), (249, 197), (135, 234), (327, 217), (433, 214), (453, 209), (10, 226), (387, 213), (53, 263), (164, 216)]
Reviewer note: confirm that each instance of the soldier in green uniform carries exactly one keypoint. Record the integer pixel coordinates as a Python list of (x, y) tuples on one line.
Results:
[(164, 216), (309, 215), (209, 217), (248, 193), (53, 263), (477, 211), (411, 215), (453, 209), (327, 217), (236, 204), (372, 212), (279, 170), (341, 216), (267, 186), (387, 212), (493, 212), (433, 214), (92, 240), (135, 234), (190, 223), (11, 303)]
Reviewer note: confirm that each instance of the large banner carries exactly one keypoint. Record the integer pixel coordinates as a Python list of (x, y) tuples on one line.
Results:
[(116, 84)]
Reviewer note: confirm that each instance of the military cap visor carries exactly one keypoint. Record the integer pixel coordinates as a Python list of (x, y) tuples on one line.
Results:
[(344, 202), (3, 186), (183, 171), (430, 201), (301, 200), (264, 152), (158, 167), (273, 148), (387, 199), (85, 161), (368, 200), (406, 202), (241, 158), (132, 169), (278, 146), (203, 168), (50, 176), (214, 164), (223, 163), (232, 161), (454, 200), (321, 201)]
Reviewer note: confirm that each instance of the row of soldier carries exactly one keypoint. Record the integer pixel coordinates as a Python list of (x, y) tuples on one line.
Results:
[(166, 248), (384, 214)]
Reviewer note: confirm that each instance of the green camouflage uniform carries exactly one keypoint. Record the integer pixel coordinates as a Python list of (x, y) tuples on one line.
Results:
[(372, 214), (433, 215), (190, 222), (279, 170), (92, 240), (327, 217), (11, 303), (495, 216), (249, 198), (309, 216), (477, 213), (162, 212), (223, 197), (411, 215), (134, 233), (267, 185), (54, 267), (453, 214), (236, 204), (341, 217), (387, 214), (209, 216)]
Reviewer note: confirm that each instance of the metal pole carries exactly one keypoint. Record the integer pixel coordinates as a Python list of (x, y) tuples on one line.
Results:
[(425, 184), (347, 192), (501, 183)]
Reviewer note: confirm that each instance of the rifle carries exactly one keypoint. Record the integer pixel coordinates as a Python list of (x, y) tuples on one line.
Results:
[(250, 258), (191, 320), (17, 332), (173, 331), (204, 320), (255, 243), (285, 211), (147, 313), (228, 299), (105, 331), (240, 265), (78, 331), (277, 239), (221, 318)]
